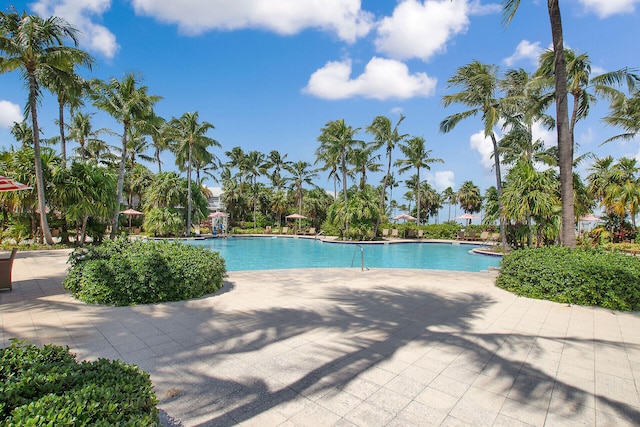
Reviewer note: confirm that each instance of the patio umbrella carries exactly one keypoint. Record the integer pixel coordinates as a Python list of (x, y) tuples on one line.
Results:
[(589, 218), (404, 216), (296, 216), (8, 184), (130, 212), (218, 214), (468, 217)]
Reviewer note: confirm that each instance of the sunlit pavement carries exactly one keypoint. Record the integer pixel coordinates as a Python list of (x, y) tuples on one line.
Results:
[(345, 347)]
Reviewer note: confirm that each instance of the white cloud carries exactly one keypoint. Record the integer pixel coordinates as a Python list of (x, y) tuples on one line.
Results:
[(10, 113), (442, 179), (82, 14), (421, 29), (343, 17), (525, 51), (549, 137), (382, 79), (484, 146), (606, 8)]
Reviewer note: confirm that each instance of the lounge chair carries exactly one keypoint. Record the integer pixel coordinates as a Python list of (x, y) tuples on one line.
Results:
[(461, 235), (495, 237), (385, 232), (484, 236), (420, 234), (472, 236), (394, 233), (312, 231), (6, 264), (267, 229), (285, 230), (411, 233)]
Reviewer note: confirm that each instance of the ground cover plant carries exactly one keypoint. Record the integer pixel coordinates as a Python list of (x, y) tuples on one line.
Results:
[(121, 272), (574, 276), (48, 386)]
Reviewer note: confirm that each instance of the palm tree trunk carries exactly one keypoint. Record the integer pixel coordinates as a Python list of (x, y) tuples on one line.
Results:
[(418, 197), (496, 159), (63, 142), (189, 192), (42, 204), (565, 144), (123, 158)]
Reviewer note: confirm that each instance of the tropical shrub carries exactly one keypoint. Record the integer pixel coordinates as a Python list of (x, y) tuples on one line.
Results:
[(573, 276), (120, 272), (47, 386), (164, 222)]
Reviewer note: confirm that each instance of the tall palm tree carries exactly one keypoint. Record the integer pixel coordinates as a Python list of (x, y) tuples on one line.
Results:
[(277, 162), (237, 159), (565, 143), (68, 87), (385, 136), (469, 197), (363, 160), (255, 166), (418, 157), (449, 197), (337, 138), (158, 129), (127, 102), (300, 175), (330, 160), (189, 134), (30, 43), (81, 131), (479, 84)]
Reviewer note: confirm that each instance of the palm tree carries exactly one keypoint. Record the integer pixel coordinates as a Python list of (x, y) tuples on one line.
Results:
[(255, 166), (300, 175), (189, 134), (362, 158), (479, 83), (22, 133), (336, 140), (32, 44), (469, 197), (158, 129), (68, 87), (418, 157), (384, 135), (449, 197), (80, 131), (237, 159), (277, 162), (625, 113), (127, 102), (530, 196), (565, 143), (330, 160)]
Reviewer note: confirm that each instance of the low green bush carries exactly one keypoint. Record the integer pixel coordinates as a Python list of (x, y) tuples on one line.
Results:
[(47, 386), (120, 272), (573, 276)]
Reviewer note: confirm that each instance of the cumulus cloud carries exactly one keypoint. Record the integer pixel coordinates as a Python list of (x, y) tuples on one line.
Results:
[(606, 8), (382, 79), (82, 14), (526, 51), (484, 146), (442, 179), (345, 18), (548, 137), (421, 29), (10, 113)]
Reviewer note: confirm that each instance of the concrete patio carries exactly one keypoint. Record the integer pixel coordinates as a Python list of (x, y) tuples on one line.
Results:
[(337, 347)]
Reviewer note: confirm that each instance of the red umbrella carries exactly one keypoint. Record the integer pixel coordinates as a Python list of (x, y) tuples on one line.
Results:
[(8, 184)]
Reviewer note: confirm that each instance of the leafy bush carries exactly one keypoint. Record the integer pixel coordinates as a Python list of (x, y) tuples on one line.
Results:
[(47, 386), (164, 222), (120, 272), (578, 276)]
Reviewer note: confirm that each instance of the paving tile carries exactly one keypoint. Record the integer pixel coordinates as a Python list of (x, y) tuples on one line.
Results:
[(478, 407), (436, 399)]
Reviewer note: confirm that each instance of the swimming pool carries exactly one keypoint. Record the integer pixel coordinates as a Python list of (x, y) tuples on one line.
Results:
[(271, 253)]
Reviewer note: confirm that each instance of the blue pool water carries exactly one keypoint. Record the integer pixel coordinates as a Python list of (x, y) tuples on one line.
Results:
[(270, 253)]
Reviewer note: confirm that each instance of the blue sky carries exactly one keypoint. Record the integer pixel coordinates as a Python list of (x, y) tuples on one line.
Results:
[(270, 74)]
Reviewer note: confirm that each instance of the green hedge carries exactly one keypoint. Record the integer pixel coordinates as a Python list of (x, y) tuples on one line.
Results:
[(120, 272), (47, 386), (573, 276)]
